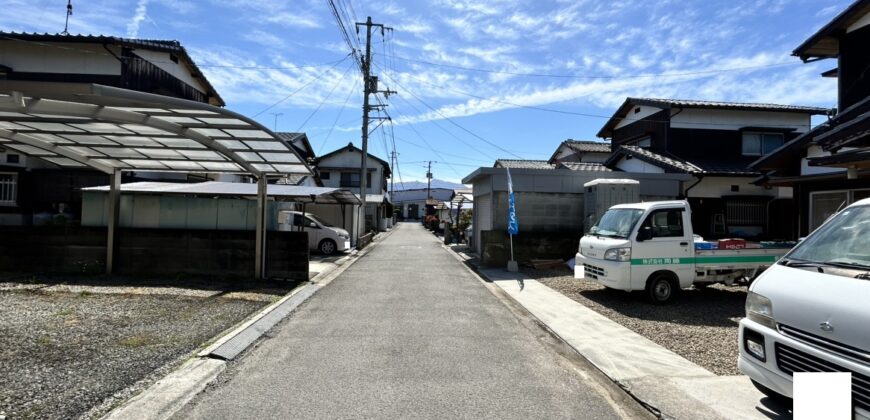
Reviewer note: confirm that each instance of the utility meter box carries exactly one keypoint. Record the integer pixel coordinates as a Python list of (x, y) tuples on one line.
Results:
[(603, 193)]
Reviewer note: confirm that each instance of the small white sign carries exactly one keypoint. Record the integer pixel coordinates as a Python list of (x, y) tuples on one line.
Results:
[(579, 271), (822, 395)]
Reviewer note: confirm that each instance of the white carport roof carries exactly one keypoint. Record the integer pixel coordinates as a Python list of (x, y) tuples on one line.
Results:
[(322, 195), (111, 129)]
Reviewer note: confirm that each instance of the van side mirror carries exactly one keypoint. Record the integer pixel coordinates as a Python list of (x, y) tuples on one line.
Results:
[(312, 224), (644, 234)]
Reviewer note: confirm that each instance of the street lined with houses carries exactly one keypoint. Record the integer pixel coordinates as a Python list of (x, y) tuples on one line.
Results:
[(407, 331), (434, 209)]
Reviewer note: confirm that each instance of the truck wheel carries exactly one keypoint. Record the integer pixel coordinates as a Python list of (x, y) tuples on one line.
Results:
[(327, 247), (661, 288), (780, 399)]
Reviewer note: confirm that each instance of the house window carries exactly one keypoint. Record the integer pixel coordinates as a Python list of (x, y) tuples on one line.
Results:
[(13, 159), (324, 175), (8, 189), (351, 179), (758, 144), (641, 142)]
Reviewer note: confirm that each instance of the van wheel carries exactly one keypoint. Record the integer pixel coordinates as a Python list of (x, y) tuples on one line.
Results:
[(661, 288), (780, 399), (327, 247)]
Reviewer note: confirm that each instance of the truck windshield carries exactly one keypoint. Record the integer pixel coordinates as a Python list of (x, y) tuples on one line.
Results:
[(616, 223), (842, 241)]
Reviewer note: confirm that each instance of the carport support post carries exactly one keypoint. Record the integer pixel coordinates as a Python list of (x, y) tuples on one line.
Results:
[(260, 246), (112, 215)]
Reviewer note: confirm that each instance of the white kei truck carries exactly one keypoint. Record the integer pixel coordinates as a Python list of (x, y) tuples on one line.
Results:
[(651, 247), (810, 312)]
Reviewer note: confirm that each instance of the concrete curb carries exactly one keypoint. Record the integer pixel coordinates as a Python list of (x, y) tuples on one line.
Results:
[(667, 384), (165, 397), (170, 394)]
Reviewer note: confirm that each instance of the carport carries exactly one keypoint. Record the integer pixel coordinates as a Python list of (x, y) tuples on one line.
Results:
[(113, 130)]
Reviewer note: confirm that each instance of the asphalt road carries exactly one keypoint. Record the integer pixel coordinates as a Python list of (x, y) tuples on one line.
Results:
[(406, 332)]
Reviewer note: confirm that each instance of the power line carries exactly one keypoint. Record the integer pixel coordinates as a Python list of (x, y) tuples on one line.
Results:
[(578, 76), (470, 146), (342, 28), (444, 153), (337, 83), (340, 111), (559, 111), (317, 77), (450, 120)]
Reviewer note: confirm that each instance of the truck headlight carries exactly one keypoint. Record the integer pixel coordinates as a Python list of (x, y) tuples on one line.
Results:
[(618, 254), (760, 310)]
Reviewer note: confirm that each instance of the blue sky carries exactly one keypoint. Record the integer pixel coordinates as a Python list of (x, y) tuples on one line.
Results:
[(470, 73)]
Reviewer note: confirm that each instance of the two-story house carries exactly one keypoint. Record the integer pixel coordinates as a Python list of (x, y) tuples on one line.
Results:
[(829, 167), (300, 143), (33, 189), (714, 142), (587, 152), (340, 168)]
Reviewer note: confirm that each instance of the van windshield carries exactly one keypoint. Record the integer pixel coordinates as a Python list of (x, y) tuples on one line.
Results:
[(616, 223), (842, 241)]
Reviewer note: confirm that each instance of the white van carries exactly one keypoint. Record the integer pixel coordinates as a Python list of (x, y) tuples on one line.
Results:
[(810, 312), (322, 236)]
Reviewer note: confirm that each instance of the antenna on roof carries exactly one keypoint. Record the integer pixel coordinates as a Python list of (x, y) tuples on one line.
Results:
[(68, 14)]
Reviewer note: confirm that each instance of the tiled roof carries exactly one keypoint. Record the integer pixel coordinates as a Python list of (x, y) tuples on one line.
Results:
[(674, 164), (588, 146), (584, 166), (522, 164), (170, 46), (825, 42), (689, 103), (623, 111)]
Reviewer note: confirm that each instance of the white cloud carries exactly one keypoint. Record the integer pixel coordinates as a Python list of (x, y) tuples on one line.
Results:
[(263, 38), (138, 17)]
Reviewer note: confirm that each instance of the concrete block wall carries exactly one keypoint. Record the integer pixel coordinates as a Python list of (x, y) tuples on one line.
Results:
[(167, 252), (540, 212), (527, 246)]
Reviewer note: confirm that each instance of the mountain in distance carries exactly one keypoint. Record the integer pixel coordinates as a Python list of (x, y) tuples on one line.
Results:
[(436, 183)]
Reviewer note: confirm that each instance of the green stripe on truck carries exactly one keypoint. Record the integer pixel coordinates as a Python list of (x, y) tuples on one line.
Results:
[(705, 260)]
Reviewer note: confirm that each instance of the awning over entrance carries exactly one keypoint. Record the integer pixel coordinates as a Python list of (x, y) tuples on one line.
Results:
[(111, 129), (321, 195)]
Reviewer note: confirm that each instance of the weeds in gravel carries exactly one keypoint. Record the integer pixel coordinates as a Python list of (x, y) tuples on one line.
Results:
[(65, 312), (43, 340), (138, 340)]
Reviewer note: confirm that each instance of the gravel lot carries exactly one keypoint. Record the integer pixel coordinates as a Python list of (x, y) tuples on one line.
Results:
[(700, 326), (71, 350)]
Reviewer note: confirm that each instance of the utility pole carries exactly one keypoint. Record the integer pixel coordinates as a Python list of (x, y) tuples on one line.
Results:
[(429, 182), (276, 115), (394, 160), (370, 85)]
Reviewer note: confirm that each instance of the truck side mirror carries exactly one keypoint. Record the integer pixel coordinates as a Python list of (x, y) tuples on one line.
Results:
[(644, 234)]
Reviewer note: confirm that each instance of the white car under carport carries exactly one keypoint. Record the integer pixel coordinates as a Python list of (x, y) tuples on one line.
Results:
[(322, 236)]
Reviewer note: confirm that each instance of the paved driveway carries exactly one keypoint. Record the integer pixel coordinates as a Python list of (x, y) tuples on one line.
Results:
[(405, 332)]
